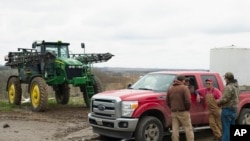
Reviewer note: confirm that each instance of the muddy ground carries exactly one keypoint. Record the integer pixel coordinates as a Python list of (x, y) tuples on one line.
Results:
[(57, 123)]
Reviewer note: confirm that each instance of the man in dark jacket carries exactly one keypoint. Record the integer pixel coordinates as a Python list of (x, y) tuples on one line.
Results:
[(179, 101)]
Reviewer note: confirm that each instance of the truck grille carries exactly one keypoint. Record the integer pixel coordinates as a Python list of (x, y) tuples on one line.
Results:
[(104, 108), (73, 72)]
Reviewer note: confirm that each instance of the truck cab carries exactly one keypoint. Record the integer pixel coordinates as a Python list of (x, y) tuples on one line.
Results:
[(141, 112)]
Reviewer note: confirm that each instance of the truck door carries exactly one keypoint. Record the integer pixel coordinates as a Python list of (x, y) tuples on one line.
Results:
[(198, 111)]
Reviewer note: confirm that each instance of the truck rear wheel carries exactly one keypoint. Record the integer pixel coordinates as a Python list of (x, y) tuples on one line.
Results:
[(149, 129), (244, 117), (38, 94), (62, 94), (14, 91)]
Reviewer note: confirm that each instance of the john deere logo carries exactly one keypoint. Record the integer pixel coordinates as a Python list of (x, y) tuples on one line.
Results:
[(101, 107)]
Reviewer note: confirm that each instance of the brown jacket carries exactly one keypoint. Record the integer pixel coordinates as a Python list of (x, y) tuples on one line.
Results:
[(178, 97)]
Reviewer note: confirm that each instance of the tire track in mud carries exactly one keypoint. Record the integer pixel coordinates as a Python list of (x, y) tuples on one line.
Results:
[(70, 129), (70, 121)]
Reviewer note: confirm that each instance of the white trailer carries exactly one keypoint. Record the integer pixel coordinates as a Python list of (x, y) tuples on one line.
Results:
[(232, 59)]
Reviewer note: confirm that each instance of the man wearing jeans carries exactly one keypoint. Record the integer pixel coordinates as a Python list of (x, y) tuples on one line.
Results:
[(229, 103), (179, 101)]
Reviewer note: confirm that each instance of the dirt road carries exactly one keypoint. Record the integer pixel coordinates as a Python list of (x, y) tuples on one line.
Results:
[(58, 123)]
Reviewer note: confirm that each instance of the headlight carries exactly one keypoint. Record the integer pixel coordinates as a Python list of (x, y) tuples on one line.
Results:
[(128, 107), (72, 66)]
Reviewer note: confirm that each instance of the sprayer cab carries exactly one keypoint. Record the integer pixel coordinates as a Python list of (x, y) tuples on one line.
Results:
[(59, 49)]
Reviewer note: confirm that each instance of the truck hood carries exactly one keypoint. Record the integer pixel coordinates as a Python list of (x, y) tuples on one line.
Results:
[(130, 94)]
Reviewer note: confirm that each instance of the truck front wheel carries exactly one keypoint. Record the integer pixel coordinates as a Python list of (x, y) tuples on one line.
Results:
[(244, 117), (38, 94), (14, 91), (149, 129)]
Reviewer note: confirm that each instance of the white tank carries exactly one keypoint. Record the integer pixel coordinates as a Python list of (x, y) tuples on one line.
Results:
[(231, 59)]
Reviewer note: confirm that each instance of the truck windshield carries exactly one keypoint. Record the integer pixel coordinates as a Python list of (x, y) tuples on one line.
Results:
[(154, 82)]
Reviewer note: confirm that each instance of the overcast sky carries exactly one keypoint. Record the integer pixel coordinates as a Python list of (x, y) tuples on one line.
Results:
[(140, 33)]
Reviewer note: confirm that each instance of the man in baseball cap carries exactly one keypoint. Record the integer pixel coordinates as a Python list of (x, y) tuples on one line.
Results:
[(210, 94), (229, 104)]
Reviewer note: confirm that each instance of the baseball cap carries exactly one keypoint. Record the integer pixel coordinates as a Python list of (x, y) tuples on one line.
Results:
[(209, 80), (229, 75)]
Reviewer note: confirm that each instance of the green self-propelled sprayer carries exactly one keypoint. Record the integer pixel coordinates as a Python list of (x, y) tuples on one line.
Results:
[(50, 64)]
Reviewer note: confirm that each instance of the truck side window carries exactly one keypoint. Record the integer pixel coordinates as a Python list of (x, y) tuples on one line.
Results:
[(192, 84)]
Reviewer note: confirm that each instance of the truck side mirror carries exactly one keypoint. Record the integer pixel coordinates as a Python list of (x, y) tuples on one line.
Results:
[(82, 45), (129, 85)]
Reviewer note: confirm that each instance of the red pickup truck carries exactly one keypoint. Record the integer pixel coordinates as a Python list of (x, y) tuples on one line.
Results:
[(140, 111)]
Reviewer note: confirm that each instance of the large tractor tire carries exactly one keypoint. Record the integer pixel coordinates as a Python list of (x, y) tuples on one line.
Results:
[(149, 129), (97, 85), (14, 91), (62, 94), (38, 94), (97, 88)]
